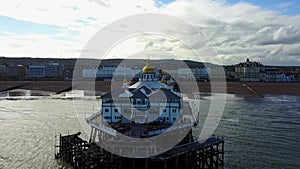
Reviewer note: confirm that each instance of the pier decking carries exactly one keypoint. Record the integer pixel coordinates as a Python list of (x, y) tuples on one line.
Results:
[(83, 155)]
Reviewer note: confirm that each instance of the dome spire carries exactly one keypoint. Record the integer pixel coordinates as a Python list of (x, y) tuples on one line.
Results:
[(148, 64), (148, 68)]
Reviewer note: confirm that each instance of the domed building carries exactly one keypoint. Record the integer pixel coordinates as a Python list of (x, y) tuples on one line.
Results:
[(148, 101)]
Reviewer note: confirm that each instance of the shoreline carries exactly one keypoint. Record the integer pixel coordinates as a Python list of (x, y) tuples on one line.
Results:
[(247, 89)]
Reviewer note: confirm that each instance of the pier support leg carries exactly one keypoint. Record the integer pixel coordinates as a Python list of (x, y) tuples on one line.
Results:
[(176, 162), (91, 134), (146, 163), (166, 164)]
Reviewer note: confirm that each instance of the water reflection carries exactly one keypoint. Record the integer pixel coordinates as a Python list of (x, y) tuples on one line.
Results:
[(20, 93), (258, 132)]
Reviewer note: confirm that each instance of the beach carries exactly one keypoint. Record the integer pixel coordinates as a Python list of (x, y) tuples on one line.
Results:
[(247, 89)]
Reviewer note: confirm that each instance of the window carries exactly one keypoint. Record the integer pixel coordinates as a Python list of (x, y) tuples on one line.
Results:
[(106, 110), (107, 101), (134, 101), (174, 110), (143, 101), (164, 110), (116, 110)]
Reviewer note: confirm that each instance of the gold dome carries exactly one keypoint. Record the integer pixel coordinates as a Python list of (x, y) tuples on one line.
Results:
[(148, 68)]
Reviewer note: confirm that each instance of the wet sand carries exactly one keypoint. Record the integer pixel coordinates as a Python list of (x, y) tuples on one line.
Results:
[(238, 88)]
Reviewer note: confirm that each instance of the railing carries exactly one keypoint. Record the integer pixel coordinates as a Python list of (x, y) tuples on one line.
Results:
[(93, 116), (173, 127), (100, 126), (104, 128)]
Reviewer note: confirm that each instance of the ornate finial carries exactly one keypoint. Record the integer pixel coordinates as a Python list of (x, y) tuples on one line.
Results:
[(148, 62), (148, 68)]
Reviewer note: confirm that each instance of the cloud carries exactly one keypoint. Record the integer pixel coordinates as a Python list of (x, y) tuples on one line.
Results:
[(32, 45), (294, 51), (277, 34), (148, 45), (241, 30), (77, 21), (226, 33), (101, 2)]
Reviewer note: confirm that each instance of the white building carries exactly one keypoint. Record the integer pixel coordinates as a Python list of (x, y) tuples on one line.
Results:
[(193, 73), (185, 73), (89, 73), (115, 73), (249, 71)]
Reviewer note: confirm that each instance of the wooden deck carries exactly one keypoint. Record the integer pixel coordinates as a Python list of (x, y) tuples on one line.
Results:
[(195, 155)]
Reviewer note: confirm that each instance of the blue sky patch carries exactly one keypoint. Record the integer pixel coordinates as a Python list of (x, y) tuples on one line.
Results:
[(24, 27), (285, 7), (162, 2)]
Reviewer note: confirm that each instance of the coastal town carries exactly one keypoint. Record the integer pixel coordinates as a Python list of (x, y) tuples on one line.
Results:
[(150, 84), (24, 69)]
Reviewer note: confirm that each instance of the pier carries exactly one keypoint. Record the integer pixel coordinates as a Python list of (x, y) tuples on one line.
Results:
[(81, 154)]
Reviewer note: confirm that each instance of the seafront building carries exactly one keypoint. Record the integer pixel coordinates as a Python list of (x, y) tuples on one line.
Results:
[(109, 72), (272, 74), (249, 71), (36, 71), (52, 69), (257, 72), (48, 70), (197, 73), (68, 72)]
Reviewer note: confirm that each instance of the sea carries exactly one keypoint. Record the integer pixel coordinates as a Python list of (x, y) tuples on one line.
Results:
[(258, 132)]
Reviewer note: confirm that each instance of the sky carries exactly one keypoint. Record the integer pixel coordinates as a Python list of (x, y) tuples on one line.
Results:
[(267, 31)]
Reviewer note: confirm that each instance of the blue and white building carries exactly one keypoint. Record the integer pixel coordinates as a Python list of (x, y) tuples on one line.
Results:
[(148, 100), (36, 71), (52, 70), (152, 100)]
